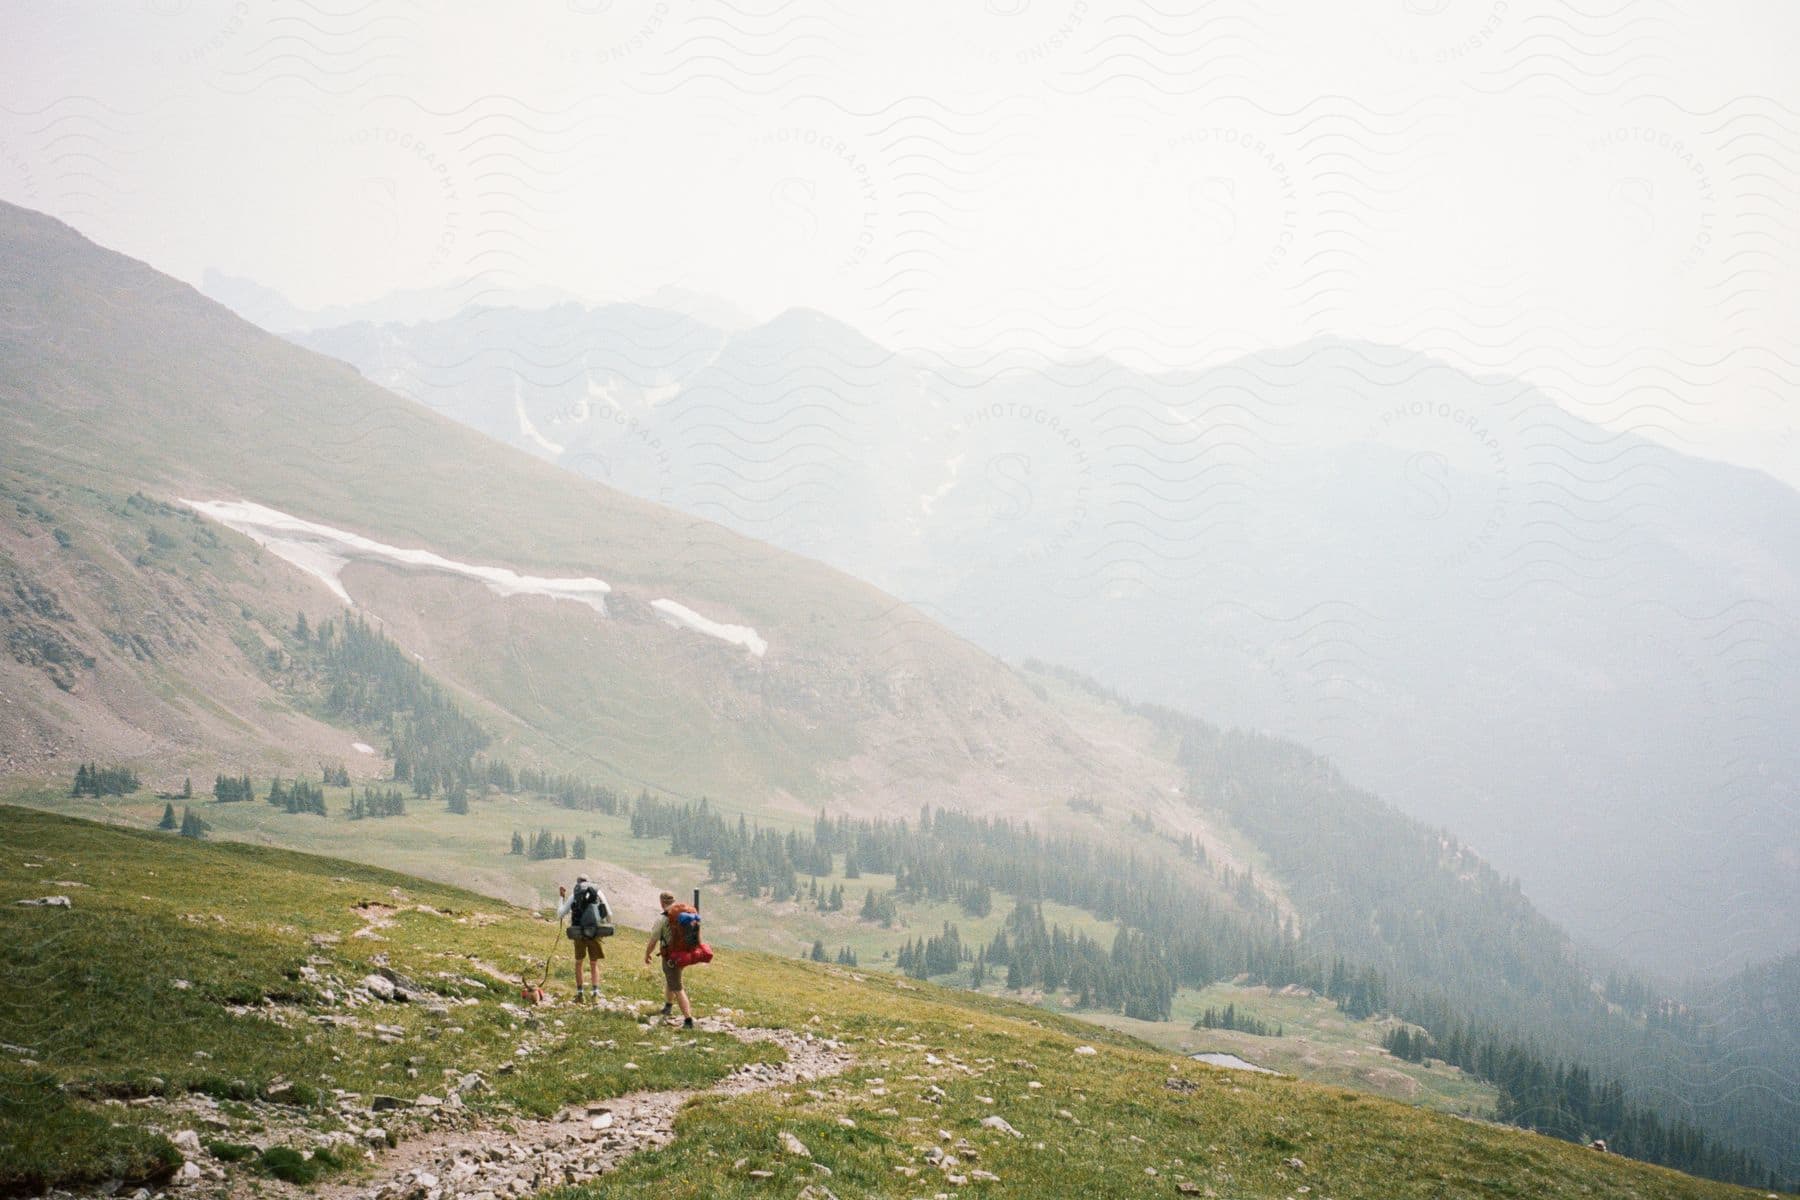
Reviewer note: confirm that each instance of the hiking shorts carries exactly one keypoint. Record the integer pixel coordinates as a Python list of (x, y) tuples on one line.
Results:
[(671, 976), (586, 948)]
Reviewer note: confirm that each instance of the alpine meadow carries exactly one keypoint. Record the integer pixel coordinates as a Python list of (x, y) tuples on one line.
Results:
[(765, 600)]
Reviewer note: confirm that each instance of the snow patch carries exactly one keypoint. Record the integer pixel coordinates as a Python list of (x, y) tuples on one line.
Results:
[(324, 552), (1231, 1062), (602, 393), (927, 499), (362, 747), (737, 635), (528, 430), (661, 393)]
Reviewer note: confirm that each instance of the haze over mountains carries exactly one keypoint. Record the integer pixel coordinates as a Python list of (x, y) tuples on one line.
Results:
[(1571, 645)]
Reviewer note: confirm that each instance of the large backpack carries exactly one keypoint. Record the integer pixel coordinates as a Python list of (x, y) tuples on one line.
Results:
[(685, 949), (587, 914)]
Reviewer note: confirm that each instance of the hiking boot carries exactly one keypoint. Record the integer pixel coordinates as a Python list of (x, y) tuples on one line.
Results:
[(578, 995), (688, 1023), (668, 1010)]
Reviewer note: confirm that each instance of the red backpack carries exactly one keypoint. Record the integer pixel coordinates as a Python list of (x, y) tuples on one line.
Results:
[(685, 949)]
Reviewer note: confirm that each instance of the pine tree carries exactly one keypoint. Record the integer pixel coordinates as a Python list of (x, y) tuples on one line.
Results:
[(168, 818), (818, 950), (187, 788), (192, 826), (518, 844), (302, 634), (578, 848)]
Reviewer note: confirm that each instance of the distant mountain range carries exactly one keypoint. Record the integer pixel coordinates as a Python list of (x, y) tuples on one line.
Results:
[(1570, 644)]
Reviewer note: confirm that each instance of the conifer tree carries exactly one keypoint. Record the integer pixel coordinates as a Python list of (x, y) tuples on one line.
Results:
[(168, 818)]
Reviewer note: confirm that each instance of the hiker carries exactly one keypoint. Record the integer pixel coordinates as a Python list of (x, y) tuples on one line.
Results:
[(662, 937), (590, 913)]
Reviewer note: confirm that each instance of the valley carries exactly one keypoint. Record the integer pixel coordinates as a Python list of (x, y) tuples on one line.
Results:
[(288, 1051)]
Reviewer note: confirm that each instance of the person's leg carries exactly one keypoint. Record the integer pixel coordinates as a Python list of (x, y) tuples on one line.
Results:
[(687, 1009), (577, 970)]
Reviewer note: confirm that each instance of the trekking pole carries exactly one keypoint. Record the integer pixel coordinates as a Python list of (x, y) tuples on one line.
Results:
[(545, 977)]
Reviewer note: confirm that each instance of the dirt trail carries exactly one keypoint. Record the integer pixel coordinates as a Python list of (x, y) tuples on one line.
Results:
[(521, 1157)]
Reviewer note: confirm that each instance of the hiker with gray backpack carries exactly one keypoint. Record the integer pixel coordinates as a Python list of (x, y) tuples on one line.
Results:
[(590, 921)]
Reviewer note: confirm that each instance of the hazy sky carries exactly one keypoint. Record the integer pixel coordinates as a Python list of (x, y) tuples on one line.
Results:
[(1601, 197)]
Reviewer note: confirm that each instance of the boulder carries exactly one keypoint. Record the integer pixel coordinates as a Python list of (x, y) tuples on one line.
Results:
[(1000, 1124)]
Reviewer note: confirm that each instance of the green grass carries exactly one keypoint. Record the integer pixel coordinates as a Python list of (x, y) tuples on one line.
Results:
[(434, 844), (91, 992), (133, 992), (1318, 1043)]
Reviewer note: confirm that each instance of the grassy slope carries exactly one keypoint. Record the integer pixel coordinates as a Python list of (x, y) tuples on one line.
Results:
[(1322, 1045), (92, 994), (83, 986), (1318, 1043)]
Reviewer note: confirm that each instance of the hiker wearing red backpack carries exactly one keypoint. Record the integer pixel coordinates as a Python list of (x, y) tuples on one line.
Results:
[(676, 936)]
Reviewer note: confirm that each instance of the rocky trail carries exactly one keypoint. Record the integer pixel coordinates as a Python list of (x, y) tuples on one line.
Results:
[(520, 1157)]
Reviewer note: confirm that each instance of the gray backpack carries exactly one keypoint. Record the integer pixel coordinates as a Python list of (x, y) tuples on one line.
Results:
[(588, 918)]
